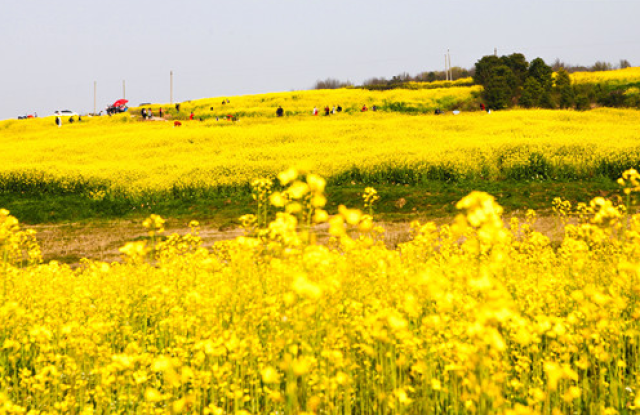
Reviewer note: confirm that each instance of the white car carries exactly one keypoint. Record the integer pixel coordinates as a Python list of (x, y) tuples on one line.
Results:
[(66, 113)]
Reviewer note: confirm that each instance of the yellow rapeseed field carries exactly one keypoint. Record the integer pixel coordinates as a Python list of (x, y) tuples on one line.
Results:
[(474, 317), (478, 316), (119, 156), (627, 75), (351, 100)]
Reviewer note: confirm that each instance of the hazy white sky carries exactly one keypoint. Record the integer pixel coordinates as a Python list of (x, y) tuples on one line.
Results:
[(51, 52)]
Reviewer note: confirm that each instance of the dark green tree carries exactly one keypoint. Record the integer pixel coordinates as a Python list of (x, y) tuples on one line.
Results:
[(531, 93), (582, 102), (484, 68), (542, 73), (563, 89), (518, 65), (500, 88), (547, 100)]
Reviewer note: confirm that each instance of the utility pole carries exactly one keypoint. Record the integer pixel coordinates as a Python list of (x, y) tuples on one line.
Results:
[(171, 86), (95, 89), (495, 51), (450, 71), (124, 96), (446, 69)]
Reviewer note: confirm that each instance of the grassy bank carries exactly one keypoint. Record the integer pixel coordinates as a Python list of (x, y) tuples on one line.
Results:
[(398, 202)]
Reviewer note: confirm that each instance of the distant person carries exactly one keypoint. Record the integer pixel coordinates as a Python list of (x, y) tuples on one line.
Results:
[(326, 111), (315, 111), (437, 111), (160, 112), (228, 101), (364, 108), (79, 118), (339, 109), (149, 113), (333, 110), (35, 114), (58, 121), (191, 116), (71, 120), (178, 107), (143, 112), (482, 107), (374, 108), (279, 112), (224, 102)]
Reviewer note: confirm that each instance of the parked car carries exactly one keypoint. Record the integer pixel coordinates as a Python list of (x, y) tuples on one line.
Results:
[(66, 113)]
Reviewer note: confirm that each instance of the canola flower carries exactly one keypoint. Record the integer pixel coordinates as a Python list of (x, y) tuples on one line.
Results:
[(474, 317), (103, 159), (627, 75), (424, 95)]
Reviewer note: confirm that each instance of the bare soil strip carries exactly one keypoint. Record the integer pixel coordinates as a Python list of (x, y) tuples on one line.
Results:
[(69, 243)]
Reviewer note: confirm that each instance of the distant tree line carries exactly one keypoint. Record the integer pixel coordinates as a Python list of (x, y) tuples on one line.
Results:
[(430, 76), (511, 80), (331, 83), (396, 81), (599, 66), (457, 72)]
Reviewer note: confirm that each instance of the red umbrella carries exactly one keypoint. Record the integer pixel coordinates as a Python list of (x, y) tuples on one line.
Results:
[(120, 103)]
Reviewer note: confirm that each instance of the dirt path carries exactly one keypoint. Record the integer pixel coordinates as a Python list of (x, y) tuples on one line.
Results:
[(69, 243), (101, 241)]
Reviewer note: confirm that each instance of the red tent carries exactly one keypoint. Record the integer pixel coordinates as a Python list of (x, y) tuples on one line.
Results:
[(120, 103)]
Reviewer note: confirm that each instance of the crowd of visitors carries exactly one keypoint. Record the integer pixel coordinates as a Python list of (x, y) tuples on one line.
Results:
[(147, 113)]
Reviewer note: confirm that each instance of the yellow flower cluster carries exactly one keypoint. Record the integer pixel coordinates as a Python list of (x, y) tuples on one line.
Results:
[(475, 317), (627, 75), (104, 158), (350, 99)]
